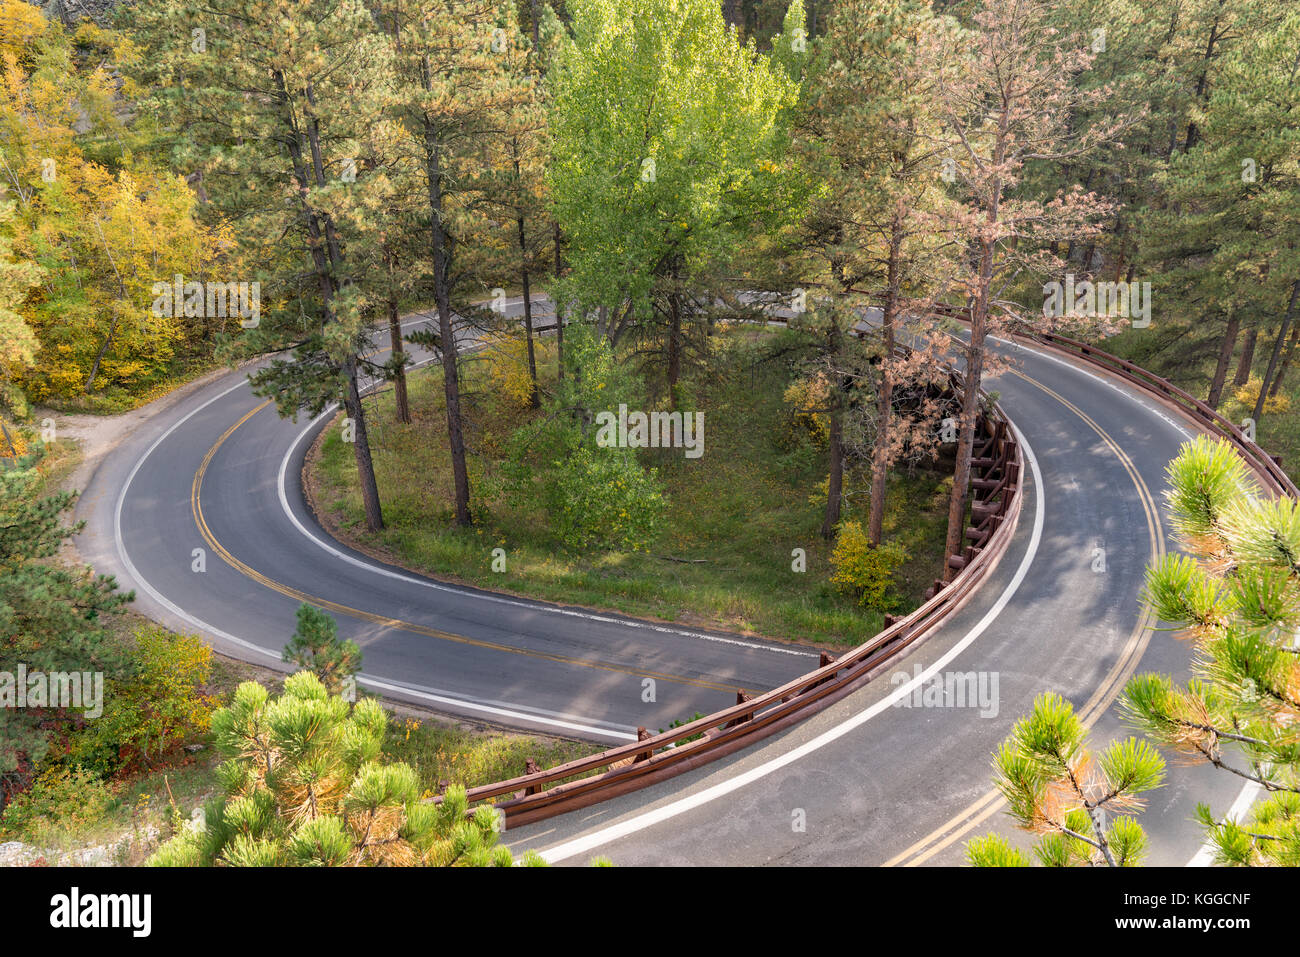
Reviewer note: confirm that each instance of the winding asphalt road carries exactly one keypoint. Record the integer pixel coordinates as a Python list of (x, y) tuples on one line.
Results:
[(878, 778)]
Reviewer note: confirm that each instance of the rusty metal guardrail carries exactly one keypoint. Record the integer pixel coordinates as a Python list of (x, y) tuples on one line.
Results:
[(1269, 466), (996, 501)]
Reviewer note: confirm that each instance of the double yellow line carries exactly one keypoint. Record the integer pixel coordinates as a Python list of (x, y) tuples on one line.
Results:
[(196, 506), (981, 810)]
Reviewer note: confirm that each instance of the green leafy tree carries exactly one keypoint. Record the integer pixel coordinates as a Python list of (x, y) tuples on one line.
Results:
[(153, 709), (1236, 596), (1077, 801), (666, 144), (304, 784), (316, 646)]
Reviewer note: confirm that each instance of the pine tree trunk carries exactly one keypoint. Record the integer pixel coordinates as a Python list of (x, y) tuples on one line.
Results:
[(1269, 383), (1247, 357), (835, 466), (446, 329), (534, 397), (361, 447), (1225, 358), (399, 379), (674, 339), (1291, 348), (327, 262), (880, 451), (969, 410), (835, 479)]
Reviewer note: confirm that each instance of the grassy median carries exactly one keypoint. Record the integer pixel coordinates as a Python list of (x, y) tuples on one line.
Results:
[(724, 555)]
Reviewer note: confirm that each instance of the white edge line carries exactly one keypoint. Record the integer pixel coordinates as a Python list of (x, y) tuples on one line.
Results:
[(605, 835), (1250, 791), (180, 613), (504, 712), (1045, 353)]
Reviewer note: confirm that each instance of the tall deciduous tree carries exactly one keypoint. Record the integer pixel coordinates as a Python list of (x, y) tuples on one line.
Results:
[(664, 139), (99, 218)]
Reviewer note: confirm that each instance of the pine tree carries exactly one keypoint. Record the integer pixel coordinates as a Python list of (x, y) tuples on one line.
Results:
[(1077, 801), (1236, 597), (316, 646), (1223, 233), (52, 617), (516, 185), (304, 784), (275, 99), (1009, 105), (865, 133), (455, 88)]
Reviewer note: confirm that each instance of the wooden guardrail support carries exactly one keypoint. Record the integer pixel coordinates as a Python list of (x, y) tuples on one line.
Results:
[(641, 735), (741, 697)]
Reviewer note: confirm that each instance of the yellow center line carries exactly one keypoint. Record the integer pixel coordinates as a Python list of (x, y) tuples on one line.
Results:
[(992, 801), (196, 489)]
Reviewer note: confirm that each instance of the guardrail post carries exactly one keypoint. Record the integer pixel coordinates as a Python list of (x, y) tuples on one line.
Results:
[(530, 767), (741, 698), (641, 735)]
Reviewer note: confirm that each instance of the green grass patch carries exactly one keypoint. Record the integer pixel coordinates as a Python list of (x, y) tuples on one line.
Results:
[(441, 752), (724, 556)]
